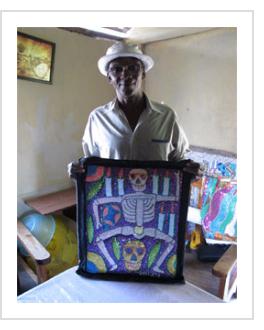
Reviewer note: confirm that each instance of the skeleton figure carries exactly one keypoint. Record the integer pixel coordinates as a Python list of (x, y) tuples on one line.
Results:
[(138, 208)]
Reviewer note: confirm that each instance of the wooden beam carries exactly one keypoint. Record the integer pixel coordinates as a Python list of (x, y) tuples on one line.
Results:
[(91, 34)]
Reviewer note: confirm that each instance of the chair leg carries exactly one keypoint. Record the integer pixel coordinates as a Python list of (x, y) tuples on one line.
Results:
[(18, 286), (42, 273), (221, 288)]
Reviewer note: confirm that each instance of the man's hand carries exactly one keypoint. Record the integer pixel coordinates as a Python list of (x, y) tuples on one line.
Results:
[(74, 168), (193, 168)]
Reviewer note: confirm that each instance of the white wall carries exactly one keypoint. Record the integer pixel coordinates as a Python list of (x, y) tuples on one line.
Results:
[(196, 76), (52, 118)]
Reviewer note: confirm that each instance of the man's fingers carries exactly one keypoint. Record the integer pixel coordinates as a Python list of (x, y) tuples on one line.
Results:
[(193, 168), (74, 168)]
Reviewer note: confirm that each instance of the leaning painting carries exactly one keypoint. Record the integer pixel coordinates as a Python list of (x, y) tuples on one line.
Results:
[(215, 194), (35, 58), (218, 212)]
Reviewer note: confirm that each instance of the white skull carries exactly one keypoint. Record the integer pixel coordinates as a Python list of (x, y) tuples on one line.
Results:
[(133, 253), (138, 178)]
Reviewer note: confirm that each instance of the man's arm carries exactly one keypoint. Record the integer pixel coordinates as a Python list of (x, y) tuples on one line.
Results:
[(89, 148), (180, 143), (88, 140)]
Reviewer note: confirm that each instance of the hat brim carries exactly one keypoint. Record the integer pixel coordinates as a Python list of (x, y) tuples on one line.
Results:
[(105, 60)]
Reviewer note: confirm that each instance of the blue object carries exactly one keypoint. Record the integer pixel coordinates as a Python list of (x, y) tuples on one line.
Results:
[(41, 226)]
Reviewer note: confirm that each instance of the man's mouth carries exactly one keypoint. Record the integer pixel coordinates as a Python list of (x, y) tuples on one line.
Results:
[(126, 84)]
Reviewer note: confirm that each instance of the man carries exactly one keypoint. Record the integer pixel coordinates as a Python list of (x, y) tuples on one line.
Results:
[(131, 126)]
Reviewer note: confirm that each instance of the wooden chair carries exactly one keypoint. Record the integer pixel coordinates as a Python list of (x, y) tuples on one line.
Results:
[(37, 252), (40, 256), (226, 270), (61, 202)]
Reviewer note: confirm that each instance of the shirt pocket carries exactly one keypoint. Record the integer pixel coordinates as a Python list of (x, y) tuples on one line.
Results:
[(160, 140), (160, 147)]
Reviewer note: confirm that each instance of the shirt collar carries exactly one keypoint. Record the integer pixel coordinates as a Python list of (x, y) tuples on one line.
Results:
[(113, 105), (150, 105)]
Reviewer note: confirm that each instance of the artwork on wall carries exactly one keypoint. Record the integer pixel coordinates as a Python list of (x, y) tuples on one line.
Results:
[(131, 219), (35, 58)]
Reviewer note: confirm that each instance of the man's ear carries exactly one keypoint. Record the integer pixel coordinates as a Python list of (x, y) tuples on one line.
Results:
[(109, 78)]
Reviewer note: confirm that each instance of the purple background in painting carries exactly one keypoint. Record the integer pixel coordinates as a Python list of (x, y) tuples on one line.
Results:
[(148, 241)]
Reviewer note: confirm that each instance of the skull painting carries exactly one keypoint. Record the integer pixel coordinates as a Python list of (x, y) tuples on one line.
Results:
[(133, 253), (138, 178)]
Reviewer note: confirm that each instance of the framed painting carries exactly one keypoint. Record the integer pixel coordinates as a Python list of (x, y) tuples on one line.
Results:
[(131, 219), (35, 58)]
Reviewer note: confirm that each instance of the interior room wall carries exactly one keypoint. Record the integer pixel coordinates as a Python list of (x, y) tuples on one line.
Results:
[(196, 76), (52, 118)]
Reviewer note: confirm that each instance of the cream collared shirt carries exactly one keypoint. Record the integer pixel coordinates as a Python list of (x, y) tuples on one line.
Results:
[(157, 136)]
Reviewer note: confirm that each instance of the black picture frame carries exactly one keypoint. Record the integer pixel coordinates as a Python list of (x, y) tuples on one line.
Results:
[(82, 216)]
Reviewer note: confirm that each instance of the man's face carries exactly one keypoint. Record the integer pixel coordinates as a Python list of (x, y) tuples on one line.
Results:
[(125, 75)]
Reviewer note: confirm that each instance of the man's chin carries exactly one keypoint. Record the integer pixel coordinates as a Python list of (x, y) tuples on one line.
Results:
[(126, 91)]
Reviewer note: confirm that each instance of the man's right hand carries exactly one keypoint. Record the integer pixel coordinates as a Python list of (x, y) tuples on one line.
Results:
[(74, 168)]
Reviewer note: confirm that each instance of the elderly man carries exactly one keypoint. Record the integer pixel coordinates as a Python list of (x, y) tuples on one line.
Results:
[(131, 126)]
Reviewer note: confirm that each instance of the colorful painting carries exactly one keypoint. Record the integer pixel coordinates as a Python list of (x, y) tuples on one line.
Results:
[(196, 192), (218, 213), (214, 164), (35, 58), (133, 220)]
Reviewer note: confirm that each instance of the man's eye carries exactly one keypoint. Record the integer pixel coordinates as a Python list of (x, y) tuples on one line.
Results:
[(132, 68), (117, 69)]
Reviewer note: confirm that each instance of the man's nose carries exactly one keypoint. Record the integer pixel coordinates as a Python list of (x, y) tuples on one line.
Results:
[(125, 72)]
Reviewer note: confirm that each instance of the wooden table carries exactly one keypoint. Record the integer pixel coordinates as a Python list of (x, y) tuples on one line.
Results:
[(68, 287), (61, 200)]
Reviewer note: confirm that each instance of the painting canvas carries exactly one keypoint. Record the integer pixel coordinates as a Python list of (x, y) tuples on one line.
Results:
[(196, 192), (131, 219), (35, 58), (218, 213), (215, 164)]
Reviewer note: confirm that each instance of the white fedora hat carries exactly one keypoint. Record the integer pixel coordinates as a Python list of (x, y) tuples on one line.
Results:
[(121, 49)]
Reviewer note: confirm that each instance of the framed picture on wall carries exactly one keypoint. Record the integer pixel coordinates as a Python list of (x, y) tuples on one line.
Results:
[(35, 58)]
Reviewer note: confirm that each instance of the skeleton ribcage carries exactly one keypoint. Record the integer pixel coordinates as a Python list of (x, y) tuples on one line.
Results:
[(139, 208)]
